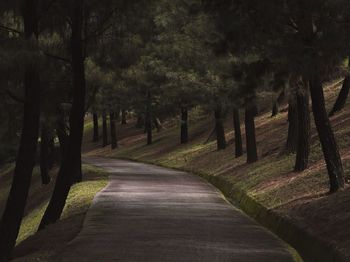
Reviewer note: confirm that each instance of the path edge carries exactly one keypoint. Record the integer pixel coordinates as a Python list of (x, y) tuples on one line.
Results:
[(302, 244)]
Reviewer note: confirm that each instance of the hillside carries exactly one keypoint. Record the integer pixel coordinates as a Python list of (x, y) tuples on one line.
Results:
[(300, 197)]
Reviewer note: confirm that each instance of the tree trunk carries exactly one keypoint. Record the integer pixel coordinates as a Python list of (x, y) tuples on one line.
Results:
[(292, 138), (343, 96), (44, 156), (140, 121), (184, 125), (52, 151), (303, 144), (14, 209), (71, 163), (250, 113), (275, 109), (148, 124), (124, 115), (325, 133), (61, 134), (114, 140), (96, 134), (238, 133), (219, 129), (104, 130)]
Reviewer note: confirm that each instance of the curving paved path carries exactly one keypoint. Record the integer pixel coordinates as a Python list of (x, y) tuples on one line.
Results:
[(148, 213)]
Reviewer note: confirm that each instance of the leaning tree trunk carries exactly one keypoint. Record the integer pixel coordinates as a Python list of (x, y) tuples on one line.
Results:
[(14, 209), (292, 138), (303, 144), (114, 140), (326, 135), (45, 155), (95, 135), (252, 152), (148, 120), (104, 130), (184, 125), (71, 163), (275, 110), (343, 96), (238, 133), (219, 129), (124, 115)]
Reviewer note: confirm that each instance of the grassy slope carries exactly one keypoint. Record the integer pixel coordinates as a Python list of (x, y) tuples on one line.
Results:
[(39, 247), (300, 196)]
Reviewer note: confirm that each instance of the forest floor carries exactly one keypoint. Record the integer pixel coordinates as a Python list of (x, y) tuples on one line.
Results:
[(302, 197), (32, 246)]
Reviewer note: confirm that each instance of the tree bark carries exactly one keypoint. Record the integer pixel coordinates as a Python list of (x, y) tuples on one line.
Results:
[(219, 129), (148, 120), (114, 139), (250, 113), (124, 115), (238, 133), (342, 98), (275, 110), (44, 156), (325, 133), (304, 127), (96, 134), (104, 130), (71, 163), (292, 138), (14, 209), (184, 125)]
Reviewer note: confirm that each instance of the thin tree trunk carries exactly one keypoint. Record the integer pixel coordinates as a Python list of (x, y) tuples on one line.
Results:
[(71, 163), (44, 156), (124, 115), (238, 133), (148, 124), (219, 129), (184, 125), (303, 144), (342, 98), (114, 140), (140, 121), (275, 110), (250, 113), (14, 209), (292, 138), (325, 133), (96, 134), (52, 151), (104, 130)]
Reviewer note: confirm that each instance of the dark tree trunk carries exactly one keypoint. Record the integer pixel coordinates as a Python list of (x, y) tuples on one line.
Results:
[(219, 128), (292, 138), (250, 113), (184, 125), (104, 130), (275, 110), (148, 120), (45, 156), (14, 209), (303, 144), (114, 140), (124, 115), (96, 134), (140, 121), (343, 96), (325, 133), (52, 151), (238, 133), (62, 134), (71, 164)]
